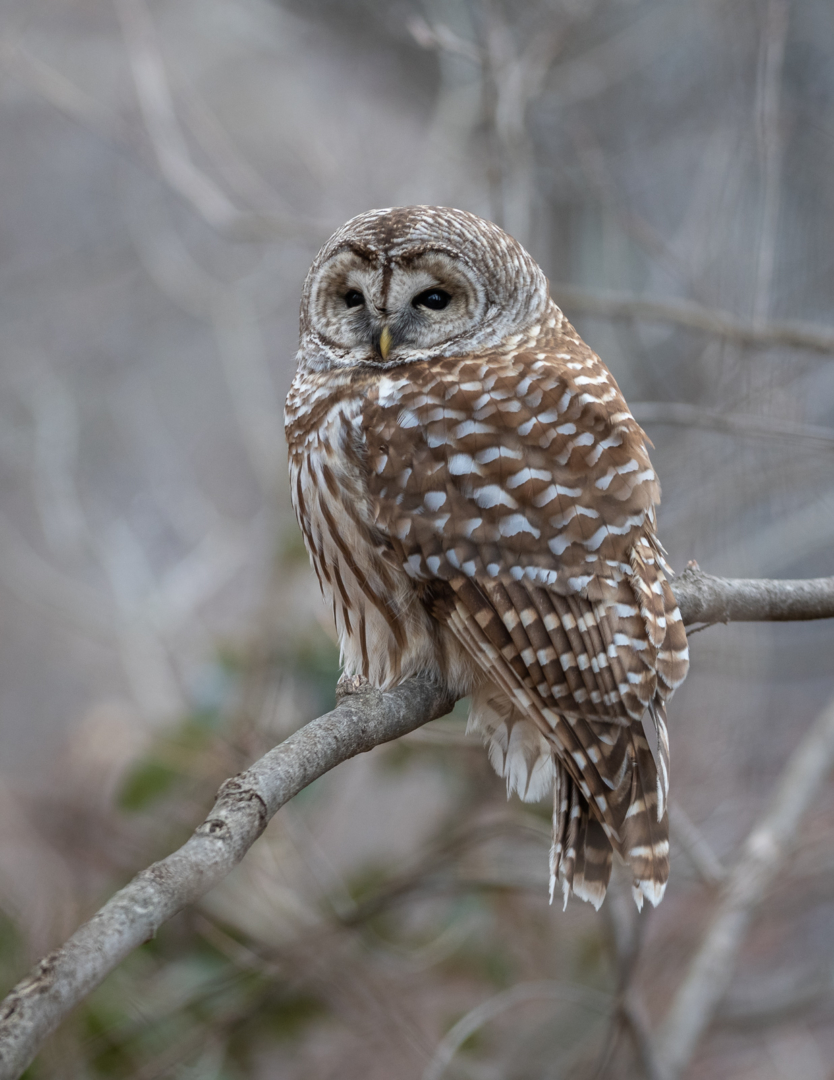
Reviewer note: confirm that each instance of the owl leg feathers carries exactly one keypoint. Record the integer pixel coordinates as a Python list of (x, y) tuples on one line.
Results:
[(517, 749), (582, 851)]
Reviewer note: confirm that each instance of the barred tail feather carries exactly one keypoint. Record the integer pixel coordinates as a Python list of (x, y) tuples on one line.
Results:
[(673, 655), (583, 847), (593, 866), (657, 711), (581, 854), (646, 828), (636, 826)]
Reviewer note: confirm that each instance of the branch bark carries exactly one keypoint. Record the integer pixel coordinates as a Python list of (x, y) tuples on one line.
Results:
[(363, 719), (706, 599), (245, 803)]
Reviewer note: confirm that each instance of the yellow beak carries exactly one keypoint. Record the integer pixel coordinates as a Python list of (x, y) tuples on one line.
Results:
[(385, 340)]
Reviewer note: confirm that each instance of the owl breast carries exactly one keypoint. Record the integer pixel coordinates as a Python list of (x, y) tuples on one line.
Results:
[(385, 632)]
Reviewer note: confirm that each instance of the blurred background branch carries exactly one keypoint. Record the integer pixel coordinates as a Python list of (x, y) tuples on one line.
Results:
[(762, 859), (695, 316)]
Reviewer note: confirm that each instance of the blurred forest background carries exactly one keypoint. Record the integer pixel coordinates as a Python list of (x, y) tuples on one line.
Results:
[(168, 170)]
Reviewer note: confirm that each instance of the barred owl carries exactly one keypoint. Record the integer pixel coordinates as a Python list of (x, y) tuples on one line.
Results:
[(478, 503)]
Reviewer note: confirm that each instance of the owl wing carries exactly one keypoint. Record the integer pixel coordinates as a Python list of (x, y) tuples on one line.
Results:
[(517, 493)]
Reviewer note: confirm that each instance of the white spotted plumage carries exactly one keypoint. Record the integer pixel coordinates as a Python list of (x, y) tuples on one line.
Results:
[(478, 502)]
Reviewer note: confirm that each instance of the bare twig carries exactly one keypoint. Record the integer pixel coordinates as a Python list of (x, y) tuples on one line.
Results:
[(239, 174), (256, 404), (35, 580), (438, 36), (786, 997), (707, 599), (770, 148), (170, 146), (160, 118), (52, 86), (681, 414), (762, 858), (365, 719), (693, 842), (592, 72), (168, 149), (694, 316), (630, 1015), (595, 169), (444, 164), (499, 1003), (514, 79), (635, 1016)]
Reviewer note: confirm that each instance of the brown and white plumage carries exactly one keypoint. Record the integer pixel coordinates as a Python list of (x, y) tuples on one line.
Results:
[(478, 502)]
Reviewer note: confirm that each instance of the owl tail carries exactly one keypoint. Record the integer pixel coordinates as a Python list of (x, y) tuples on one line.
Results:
[(582, 852), (583, 848), (645, 828), (581, 856)]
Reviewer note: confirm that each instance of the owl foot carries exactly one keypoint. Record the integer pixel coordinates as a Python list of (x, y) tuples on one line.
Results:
[(351, 684)]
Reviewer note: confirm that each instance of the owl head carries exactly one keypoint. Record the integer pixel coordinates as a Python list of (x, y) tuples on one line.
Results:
[(415, 282)]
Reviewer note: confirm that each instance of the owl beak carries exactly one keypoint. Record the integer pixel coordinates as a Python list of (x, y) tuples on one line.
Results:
[(386, 339)]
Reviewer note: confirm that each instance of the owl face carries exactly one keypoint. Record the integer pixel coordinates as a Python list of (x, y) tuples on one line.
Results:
[(410, 283)]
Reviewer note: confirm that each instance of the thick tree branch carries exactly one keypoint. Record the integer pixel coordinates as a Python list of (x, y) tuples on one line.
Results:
[(244, 806), (363, 719)]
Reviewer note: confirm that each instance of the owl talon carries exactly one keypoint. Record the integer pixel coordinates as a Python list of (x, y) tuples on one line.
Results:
[(351, 684)]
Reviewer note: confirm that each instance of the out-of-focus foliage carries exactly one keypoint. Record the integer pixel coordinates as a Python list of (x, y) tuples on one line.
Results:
[(168, 171)]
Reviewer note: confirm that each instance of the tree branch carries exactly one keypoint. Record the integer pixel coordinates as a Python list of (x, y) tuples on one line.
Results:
[(694, 316), (706, 599), (682, 414), (363, 718), (169, 144), (519, 994)]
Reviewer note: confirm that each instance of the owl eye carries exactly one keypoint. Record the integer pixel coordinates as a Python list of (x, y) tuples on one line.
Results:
[(435, 299), (353, 298)]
